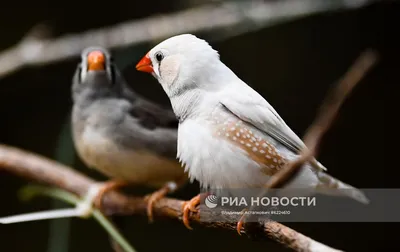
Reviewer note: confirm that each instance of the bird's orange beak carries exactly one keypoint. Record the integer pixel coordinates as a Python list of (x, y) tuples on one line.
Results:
[(96, 61), (145, 65)]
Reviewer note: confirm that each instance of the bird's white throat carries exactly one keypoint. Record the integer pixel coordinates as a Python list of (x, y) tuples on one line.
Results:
[(200, 93)]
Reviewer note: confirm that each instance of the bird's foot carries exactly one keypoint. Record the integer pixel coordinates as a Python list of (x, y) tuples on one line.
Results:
[(241, 222), (157, 195), (106, 187), (190, 206)]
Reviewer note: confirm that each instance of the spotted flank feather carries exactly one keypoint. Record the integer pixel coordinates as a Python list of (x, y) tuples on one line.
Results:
[(256, 147)]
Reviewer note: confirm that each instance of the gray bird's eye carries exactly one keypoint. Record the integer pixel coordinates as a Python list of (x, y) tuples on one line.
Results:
[(159, 56)]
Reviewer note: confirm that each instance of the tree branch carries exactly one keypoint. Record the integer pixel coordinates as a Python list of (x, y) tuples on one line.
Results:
[(38, 168), (243, 16)]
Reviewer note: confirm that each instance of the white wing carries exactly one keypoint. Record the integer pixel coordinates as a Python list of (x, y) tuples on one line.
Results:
[(249, 106)]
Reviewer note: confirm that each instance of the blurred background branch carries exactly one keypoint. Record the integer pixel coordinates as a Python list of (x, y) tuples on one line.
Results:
[(327, 113), (233, 17)]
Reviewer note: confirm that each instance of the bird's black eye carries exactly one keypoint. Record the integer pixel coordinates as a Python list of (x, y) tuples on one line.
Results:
[(159, 56)]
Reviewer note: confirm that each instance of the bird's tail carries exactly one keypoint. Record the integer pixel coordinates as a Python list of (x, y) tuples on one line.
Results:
[(331, 186)]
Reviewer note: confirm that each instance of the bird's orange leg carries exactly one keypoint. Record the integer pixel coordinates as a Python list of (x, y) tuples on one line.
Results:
[(190, 206), (241, 221), (105, 187), (169, 187), (157, 195)]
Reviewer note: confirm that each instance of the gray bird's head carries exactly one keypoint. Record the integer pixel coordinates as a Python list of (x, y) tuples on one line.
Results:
[(96, 73)]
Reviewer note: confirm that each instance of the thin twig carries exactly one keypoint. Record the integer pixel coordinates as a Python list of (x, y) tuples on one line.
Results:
[(33, 191), (327, 113), (243, 16)]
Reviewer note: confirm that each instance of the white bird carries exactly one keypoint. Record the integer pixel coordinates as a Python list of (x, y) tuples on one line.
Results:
[(229, 136)]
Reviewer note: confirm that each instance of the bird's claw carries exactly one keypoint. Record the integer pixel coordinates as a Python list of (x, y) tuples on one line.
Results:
[(106, 187), (241, 222), (188, 207), (157, 195)]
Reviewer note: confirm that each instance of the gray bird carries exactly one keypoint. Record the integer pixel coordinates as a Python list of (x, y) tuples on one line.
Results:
[(121, 134)]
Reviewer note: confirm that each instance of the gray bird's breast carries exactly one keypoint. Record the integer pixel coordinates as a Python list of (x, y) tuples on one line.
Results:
[(138, 166)]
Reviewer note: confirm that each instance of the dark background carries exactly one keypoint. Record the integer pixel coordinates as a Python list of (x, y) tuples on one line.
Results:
[(292, 65)]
